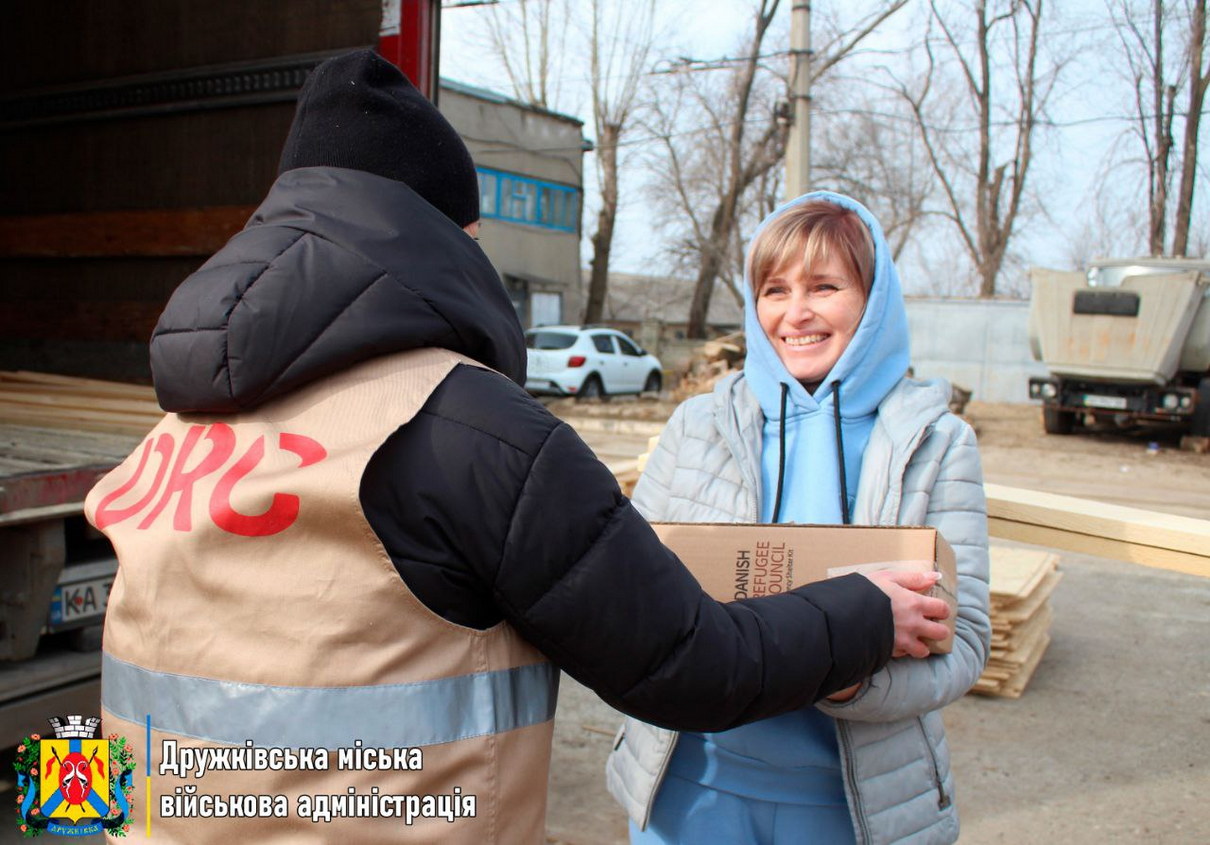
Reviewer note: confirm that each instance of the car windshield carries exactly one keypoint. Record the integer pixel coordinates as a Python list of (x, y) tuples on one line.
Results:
[(549, 340)]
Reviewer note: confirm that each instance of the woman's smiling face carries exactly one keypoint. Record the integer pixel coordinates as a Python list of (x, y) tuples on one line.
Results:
[(810, 315)]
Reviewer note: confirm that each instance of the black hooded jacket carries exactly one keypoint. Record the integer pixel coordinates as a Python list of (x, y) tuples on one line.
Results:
[(490, 507)]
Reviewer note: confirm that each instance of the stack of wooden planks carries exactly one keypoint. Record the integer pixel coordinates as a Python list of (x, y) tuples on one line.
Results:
[(1022, 581), (47, 400), (1163, 540), (709, 363)]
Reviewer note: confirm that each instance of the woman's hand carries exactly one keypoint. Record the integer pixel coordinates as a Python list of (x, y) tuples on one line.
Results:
[(915, 614), (844, 694)]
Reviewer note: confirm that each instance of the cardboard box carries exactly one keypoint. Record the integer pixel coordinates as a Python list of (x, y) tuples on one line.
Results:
[(739, 561)]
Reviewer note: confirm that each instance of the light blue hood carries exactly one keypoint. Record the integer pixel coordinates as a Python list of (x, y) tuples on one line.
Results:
[(874, 362)]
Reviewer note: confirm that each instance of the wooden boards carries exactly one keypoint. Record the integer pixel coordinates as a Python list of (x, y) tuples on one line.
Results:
[(48, 400), (1166, 541), (1022, 581)]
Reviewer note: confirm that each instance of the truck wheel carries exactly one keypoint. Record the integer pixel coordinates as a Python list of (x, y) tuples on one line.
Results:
[(1056, 421), (1201, 411)]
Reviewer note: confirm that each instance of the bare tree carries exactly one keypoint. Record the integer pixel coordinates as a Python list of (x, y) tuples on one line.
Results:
[(871, 153), (741, 171), (984, 201), (865, 143), (1154, 104), (620, 47), (1106, 227), (1158, 74), (528, 38), (1199, 80), (713, 178)]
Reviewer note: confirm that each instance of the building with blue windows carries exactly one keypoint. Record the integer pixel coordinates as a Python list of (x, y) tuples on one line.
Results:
[(530, 164)]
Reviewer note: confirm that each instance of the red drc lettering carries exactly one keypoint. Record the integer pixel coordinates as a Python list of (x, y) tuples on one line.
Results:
[(184, 471), (181, 480), (105, 516)]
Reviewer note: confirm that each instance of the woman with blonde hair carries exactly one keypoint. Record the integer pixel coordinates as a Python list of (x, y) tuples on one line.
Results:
[(821, 426)]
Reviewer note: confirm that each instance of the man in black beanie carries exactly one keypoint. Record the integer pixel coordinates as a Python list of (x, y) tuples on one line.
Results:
[(359, 112), (358, 546)]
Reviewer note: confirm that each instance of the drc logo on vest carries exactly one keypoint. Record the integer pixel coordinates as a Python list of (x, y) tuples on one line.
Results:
[(210, 461), (74, 784)]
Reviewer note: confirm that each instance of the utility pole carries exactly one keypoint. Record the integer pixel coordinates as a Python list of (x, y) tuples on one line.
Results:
[(798, 145)]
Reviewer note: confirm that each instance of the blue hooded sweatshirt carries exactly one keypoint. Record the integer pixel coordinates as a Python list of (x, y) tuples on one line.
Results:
[(793, 758), (874, 362)]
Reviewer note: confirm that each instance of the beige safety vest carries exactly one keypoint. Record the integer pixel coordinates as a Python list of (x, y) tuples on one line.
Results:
[(259, 627)]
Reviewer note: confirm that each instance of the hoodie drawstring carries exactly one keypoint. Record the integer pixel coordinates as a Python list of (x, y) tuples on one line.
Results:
[(781, 458), (844, 487)]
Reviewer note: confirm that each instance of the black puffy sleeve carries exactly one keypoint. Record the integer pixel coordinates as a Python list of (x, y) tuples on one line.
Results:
[(518, 520)]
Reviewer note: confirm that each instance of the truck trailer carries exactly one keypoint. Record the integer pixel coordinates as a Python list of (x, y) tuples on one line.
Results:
[(136, 137)]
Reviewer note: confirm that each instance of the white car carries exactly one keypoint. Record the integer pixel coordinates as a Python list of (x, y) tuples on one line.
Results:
[(588, 363)]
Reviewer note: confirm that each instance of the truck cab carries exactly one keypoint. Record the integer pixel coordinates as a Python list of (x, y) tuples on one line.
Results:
[(1126, 343)]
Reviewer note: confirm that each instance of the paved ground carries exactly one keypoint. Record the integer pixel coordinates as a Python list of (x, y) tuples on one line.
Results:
[(1111, 741)]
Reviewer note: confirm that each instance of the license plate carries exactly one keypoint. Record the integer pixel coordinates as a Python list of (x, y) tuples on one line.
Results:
[(79, 603), (1112, 403)]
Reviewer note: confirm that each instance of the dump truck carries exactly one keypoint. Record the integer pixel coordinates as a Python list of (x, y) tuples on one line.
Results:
[(1126, 344)]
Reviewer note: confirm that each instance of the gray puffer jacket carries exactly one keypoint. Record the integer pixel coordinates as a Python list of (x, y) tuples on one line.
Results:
[(920, 467)]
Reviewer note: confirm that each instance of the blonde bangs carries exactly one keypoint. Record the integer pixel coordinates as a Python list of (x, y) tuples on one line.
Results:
[(811, 233)]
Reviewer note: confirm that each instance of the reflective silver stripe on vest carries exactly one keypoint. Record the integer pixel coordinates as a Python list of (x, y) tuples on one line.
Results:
[(387, 716)]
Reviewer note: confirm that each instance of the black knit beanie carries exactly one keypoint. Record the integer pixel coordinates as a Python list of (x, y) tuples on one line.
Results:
[(359, 111)]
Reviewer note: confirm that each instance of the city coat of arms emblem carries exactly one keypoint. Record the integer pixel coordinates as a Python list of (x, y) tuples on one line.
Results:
[(74, 783)]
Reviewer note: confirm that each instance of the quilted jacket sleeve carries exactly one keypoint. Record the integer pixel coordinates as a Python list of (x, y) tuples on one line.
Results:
[(653, 492), (584, 578), (492, 509), (947, 474)]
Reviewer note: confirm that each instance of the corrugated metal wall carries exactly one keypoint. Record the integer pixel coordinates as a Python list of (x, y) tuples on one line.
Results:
[(980, 345)]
